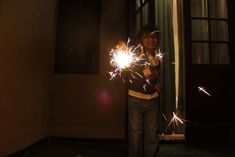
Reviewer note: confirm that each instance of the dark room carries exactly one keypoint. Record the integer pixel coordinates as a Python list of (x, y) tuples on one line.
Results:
[(117, 78)]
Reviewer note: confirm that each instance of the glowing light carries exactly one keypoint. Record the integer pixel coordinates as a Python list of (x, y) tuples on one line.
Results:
[(174, 120), (153, 32), (123, 58), (164, 116), (160, 55), (203, 90)]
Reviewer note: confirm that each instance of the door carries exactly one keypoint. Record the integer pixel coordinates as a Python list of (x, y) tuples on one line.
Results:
[(209, 53)]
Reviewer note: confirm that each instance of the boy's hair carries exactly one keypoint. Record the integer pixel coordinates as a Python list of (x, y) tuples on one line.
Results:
[(148, 29)]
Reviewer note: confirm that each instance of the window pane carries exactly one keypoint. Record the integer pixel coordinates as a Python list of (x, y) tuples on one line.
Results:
[(137, 4), (222, 28), (77, 38), (199, 8), (146, 14), (200, 53), (199, 30), (137, 23), (218, 8), (220, 54)]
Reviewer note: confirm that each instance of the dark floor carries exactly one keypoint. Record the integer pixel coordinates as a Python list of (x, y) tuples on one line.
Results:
[(53, 148)]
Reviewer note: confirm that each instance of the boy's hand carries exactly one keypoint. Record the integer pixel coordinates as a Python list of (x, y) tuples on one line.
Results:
[(147, 72), (158, 87), (122, 45)]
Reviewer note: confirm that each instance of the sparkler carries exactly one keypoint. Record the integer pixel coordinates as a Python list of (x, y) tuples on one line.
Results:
[(203, 90), (123, 58)]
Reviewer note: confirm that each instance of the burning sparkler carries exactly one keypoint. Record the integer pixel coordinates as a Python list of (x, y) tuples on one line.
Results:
[(203, 90), (123, 58)]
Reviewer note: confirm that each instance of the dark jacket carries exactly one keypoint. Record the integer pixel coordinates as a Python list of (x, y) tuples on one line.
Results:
[(138, 82)]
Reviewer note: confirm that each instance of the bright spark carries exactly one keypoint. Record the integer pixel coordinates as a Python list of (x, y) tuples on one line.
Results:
[(123, 58), (139, 74), (148, 82), (155, 32), (164, 116), (144, 86), (177, 118), (160, 55), (203, 90), (174, 120)]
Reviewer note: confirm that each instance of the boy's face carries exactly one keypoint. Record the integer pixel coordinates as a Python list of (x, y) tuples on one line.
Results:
[(149, 41)]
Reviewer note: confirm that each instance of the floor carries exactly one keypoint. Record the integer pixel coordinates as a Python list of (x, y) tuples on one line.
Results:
[(52, 148)]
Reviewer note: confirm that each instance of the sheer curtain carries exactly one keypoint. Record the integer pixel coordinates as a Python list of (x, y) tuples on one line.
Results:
[(168, 15), (180, 61), (168, 18), (163, 20)]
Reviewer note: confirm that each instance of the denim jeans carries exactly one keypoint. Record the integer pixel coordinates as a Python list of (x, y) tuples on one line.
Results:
[(143, 125)]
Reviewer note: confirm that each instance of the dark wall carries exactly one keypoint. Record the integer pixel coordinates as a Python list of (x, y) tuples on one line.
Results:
[(27, 31), (89, 105)]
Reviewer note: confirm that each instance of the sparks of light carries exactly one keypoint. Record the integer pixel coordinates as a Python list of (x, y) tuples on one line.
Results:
[(160, 55), (144, 86), (148, 82), (177, 118), (155, 32), (122, 58), (203, 90), (164, 116), (174, 120), (138, 74), (125, 58)]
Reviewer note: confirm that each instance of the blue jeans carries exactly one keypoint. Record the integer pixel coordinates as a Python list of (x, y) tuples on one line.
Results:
[(143, 123)]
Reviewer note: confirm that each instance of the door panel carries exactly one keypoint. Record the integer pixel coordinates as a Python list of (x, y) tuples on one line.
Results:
[(210, 117)]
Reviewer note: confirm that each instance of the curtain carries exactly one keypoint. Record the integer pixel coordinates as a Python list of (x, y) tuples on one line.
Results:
[(172, 66), (163, 20), (180, 110), (168, 99)]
